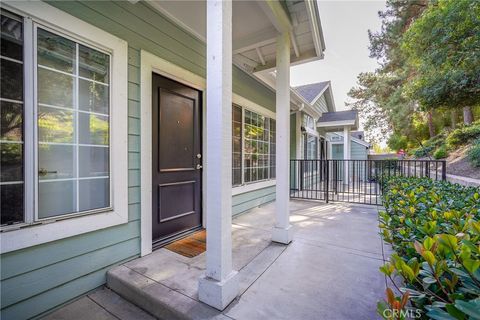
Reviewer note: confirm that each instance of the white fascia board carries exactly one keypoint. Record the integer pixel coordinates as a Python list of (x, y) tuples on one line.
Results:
[(336, 123), (315, 26)]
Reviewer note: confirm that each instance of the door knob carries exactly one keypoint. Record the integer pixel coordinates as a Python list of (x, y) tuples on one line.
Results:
[(199, 166)]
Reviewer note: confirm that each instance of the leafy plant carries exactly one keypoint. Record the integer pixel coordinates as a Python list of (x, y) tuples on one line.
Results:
[(440, 153), (434, 229), (463, 135), (474, 154)]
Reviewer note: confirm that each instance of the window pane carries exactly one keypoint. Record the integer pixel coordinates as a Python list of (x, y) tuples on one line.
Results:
[(12, 37), (11, 162), (94, 194), (56, 198), (70, 125), (55, 125), (94, 64), (55, 88), (11, 120), (93, 97), (11, 203), (93, 161), (56, 162), (55, 51), (93, 129), (12, 80), (11, 125)]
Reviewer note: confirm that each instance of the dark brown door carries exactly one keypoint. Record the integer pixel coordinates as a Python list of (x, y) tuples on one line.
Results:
[(176, 159)]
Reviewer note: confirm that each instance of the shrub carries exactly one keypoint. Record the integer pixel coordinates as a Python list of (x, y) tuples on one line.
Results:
[(474, 153), (397, 142), (434, 229), (463, 135), (423, 151), (440, 153)]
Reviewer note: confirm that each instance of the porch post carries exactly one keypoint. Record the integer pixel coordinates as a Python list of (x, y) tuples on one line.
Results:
[(346, 152), (219, 286), (282, 231)]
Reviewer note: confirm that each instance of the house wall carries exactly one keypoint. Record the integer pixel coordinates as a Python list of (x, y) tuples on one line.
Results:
[(36, 279), (358, 151), (321, 104)]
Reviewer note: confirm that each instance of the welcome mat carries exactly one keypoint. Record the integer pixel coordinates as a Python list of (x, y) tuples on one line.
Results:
[(190, 246)]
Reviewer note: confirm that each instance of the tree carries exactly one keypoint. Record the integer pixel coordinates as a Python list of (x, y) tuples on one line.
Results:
[(443, 47)]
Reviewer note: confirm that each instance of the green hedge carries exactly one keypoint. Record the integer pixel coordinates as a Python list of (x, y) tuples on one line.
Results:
[(434, 229)]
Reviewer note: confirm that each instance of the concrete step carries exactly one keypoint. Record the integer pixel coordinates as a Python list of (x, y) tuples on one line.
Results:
[(164, 302)]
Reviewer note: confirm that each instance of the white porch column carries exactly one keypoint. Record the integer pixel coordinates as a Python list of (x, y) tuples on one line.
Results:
[(282, 231), (346, 152), (219, 286)]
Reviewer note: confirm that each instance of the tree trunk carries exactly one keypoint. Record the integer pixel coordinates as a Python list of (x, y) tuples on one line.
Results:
[(453, 118), (431, 127), (467, 115)]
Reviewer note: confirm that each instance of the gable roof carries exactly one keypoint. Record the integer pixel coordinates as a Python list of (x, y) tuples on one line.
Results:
[(312, 91)]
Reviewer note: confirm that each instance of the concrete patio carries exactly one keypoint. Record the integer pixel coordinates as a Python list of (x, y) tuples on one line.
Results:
[(329, 271)]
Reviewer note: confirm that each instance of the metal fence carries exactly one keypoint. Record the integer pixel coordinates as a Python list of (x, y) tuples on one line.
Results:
[(354, 181)]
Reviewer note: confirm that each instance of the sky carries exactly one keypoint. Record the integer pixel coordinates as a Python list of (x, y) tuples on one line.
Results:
[(345, 25)]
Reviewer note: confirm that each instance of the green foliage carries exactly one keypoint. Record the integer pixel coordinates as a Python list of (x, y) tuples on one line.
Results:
[(474, 154), (434, 229), (443, 47), (426, 149), (463, 135), (441, 152), (397, 142)]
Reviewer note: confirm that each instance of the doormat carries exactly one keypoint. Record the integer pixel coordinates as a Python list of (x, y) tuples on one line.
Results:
[(190, 246)]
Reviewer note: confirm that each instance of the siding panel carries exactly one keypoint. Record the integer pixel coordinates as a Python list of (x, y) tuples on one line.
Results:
[(249, 200)]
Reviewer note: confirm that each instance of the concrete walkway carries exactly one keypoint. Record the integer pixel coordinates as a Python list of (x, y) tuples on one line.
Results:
[(330, 271)]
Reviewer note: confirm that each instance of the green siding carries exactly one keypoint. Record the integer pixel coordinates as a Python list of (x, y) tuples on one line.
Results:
[(357, 152), (321, 104), (252, 199), (37, 279), (293, 138)]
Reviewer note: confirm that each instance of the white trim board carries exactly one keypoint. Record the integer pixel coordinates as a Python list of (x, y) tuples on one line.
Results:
[(23, 236), (149, 64)]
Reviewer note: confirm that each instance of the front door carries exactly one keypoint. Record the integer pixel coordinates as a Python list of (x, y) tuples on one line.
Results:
[(176, 159)]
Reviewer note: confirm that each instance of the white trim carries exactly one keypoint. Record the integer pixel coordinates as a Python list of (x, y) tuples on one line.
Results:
[(149, 64), (252, 106), (253, 186), (22, 236), (362, 142), (336, 123)]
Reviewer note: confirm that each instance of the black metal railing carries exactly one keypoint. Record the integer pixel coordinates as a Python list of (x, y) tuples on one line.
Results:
[(355, 181)]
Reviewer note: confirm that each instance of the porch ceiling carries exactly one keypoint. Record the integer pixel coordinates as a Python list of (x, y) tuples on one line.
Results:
[(256, 24)]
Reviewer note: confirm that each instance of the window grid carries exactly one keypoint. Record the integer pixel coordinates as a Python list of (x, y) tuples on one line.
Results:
[(12, 127), (75, 112), (256, 159)]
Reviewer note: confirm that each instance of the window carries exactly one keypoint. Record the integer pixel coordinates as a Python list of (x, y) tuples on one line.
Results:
[(64, 118), (12, 119), (237, 146), (311, 147), (253, 140), (73, 126), (69, 109)]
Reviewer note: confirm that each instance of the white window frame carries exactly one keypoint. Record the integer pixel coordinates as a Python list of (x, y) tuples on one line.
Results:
[(246, 104), (30, 233)]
